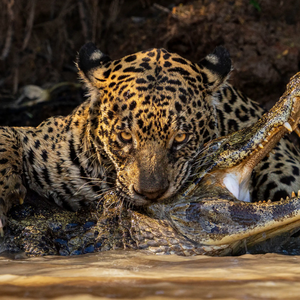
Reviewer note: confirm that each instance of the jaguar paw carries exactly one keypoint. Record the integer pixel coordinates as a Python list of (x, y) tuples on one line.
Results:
[(12, 191)]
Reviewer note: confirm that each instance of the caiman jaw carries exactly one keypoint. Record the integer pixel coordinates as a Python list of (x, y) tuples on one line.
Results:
[(210, 212), (233, 167), (237, 178)]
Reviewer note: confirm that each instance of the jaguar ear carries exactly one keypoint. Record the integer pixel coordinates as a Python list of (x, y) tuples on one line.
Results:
[(89, 59), (217, 66)]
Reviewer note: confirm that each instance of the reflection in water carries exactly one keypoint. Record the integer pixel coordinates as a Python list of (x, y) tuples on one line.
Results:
[(136, 275)]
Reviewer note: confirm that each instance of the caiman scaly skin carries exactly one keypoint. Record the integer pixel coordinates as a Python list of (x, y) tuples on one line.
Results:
[(206, 218)]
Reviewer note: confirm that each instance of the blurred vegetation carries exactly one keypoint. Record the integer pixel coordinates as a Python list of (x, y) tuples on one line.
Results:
[(39, 39)]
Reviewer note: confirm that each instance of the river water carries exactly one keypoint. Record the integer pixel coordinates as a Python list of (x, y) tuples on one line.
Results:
[(137, 275)]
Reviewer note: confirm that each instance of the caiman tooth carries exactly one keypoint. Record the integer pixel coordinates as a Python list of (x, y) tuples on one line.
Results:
[(287, 198), (293, 195), (292, 119), (297, 130), (269, 201), (298, 193), (269, 133), (265, 140), (281, 199), (261, 146), (288, 126), (21, 200)]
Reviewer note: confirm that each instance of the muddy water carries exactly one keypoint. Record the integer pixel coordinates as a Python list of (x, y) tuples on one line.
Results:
[(136, 275)]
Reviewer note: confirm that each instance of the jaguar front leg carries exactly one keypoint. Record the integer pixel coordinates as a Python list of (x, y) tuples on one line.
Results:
[(12, 189)]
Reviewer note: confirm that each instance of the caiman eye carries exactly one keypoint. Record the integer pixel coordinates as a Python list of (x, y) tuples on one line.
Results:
[(226, 146), (181, 138), (125, 137), (215, 147)]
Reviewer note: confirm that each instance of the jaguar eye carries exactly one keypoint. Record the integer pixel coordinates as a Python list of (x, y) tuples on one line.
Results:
[(181, 138), (125, 137)]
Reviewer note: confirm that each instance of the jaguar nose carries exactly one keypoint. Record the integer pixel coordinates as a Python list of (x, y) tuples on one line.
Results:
[(151, 193)]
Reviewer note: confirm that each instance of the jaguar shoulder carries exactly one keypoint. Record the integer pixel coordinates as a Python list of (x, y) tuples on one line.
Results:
[(146, 120)]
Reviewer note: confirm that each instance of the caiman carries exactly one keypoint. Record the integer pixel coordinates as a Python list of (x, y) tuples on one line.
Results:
[(205, 217)]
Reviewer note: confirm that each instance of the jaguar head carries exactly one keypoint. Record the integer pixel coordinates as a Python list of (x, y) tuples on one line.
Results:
[(150, 113)]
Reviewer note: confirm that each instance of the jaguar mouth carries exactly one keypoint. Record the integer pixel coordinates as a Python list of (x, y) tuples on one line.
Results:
[(150, 198)]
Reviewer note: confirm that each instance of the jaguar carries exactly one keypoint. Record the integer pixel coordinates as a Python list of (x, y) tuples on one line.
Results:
[(146, 120), (204, 218)]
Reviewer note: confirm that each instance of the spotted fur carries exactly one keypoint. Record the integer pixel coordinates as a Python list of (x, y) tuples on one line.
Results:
[(147, 118)]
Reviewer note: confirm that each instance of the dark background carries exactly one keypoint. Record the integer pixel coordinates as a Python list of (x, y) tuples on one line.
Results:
[(39, 40)]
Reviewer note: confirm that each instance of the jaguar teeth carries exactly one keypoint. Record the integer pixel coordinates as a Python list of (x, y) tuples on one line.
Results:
[(288, 126)]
